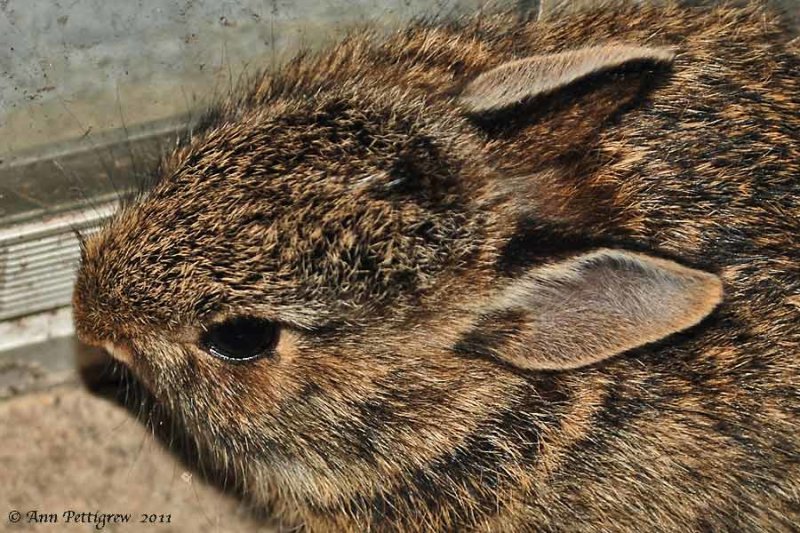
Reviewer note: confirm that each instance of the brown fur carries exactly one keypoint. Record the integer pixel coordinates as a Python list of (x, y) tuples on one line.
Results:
[(350, 198)]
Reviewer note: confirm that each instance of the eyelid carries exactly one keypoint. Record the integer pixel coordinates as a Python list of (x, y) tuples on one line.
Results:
[(290, 320)]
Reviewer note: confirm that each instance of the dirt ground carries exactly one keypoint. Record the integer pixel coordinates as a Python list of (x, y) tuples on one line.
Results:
[(64, 449)]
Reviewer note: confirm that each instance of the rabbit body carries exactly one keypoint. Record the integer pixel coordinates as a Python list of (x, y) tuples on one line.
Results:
[(361, 200)]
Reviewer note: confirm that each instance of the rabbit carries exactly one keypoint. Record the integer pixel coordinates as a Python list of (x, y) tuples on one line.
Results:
[(485, 274)]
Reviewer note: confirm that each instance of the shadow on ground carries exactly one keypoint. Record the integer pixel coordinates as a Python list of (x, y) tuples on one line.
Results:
[(65, 449)]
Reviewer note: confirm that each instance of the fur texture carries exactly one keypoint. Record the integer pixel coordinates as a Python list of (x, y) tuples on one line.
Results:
[(351, 199)]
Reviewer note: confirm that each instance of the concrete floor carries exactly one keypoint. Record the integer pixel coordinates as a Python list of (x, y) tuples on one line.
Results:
[(65, 449)]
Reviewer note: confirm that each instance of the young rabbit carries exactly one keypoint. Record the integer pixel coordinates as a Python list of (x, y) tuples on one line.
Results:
[(486, 275)]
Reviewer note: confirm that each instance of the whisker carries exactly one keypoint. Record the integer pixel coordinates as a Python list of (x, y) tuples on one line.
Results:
[(134, 163), (109, 169)]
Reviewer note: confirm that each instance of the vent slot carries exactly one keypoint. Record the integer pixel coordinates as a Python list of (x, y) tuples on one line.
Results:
[(38, 260)]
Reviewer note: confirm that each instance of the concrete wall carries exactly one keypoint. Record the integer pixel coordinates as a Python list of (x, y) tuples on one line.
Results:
[(70, 68), (73, 68)]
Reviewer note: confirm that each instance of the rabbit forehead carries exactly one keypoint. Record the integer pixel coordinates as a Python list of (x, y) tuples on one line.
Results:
[(301, 211)]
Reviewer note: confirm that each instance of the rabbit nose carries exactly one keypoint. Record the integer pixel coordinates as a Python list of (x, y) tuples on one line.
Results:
[(101, 373), (119, 351)]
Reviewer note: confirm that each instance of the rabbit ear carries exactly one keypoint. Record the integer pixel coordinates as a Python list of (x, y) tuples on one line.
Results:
[(589, 308), (521, 81)]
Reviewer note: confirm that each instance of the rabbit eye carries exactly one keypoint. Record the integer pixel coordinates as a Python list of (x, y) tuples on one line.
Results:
[(241, 339)]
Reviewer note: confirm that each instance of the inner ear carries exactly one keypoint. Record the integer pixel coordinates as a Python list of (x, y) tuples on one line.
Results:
[(591, 307), (517, 81), (572, 92)]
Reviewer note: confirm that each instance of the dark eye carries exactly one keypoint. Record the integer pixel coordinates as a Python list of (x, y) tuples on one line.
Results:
[(241, 339)]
